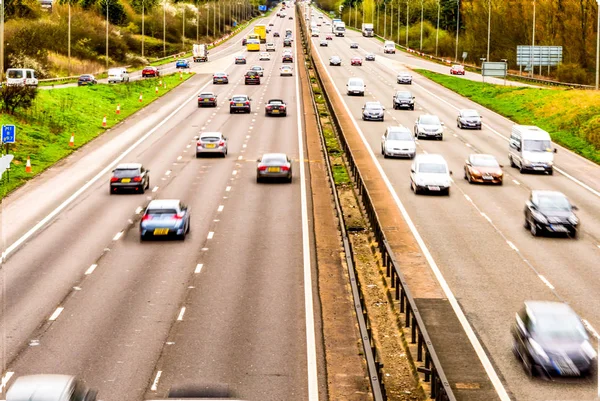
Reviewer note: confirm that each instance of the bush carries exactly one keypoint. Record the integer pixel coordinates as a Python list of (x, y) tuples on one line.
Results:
[(572, 73), (13, 97)]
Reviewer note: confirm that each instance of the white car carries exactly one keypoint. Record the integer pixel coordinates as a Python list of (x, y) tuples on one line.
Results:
[(259, 70), (119, 74), (315, 33), (429, 126), (355, 86), (285, 70), (270, 47), (264, 57), (430, 172), (398, 141)]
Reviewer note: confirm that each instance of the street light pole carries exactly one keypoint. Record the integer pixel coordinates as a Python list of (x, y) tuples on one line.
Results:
[(384, 19), (106, 2), (532, 40), (407, 20), (489, 28), (164, 28), (598, 63), (421, 40), (398, 33), (69, 40), (437, 30), (143, 37), (457, 26), (1, 41)]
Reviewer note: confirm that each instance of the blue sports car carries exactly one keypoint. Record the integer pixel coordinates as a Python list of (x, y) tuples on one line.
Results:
[(182, 64), (165, 218)]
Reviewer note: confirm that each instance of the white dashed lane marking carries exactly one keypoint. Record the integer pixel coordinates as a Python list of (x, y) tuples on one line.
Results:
[(156, 379), (545, 281), (220, 208), (154, 189), (181, 313), (198, 268), (211, 234), (227, 189), (56, 313), (91, 269), (117, 236), (516, 182)]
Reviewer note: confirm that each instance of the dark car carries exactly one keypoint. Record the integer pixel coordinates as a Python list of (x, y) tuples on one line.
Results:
[(182, 63), (240, 103), (287, 42), (50, 388), (270, 23), (220, 78), (275, 34), (150, 71), (207, 99), (550, 212), (370, 57), (287, 58), (240, 59), (86, 79), (482, 168), (244, 41), (165, 218), (252, 78), (354, 45), (130, 176), (373, 111), (274, 166), (335, 60), (468, 119), (276, 107), (403, 99), (290, 17), (550, 340)]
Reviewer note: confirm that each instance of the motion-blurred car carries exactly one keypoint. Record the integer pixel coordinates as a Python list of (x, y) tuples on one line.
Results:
[(182, 63), (430, 172), (323, 43), (468, 119), (270, 47), (550, 212), (404, 78), (403, 99), (50, 388), (550, 340), (211, 143), (314, 33), (275, 34), (276, 107), (86, 79), (244, 41), (356, 61), (207, 99), (274, 166), (290, 17), (165, 218), (398, 141), (150, 71), (258, 69), (354, 45), (264, 57), (328, 37), (131, 177), (483, 169), (220, 78), (287, 42), (373, 111), (335, 60), (429, 126), (287, 57), (251, 78), (370, 57), (457, 70), (240, 103), (285, 70), (240, 59), (270, 23)]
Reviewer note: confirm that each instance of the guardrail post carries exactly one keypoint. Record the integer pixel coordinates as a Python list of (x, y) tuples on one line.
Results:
[(420, 349), (413, 331)]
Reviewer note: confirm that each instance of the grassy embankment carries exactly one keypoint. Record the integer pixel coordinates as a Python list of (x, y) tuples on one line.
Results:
[(571, 116), (44, 131)]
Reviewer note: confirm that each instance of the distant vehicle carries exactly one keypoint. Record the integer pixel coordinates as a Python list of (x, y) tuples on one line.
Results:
[(252, 78), (130, 177), (274, 166), (356, 61), (339, 28), (404, 78), (367, 30), (220, 78), (285, 70), (335, 60), (550, 340), (47, 5), (240, 103), (270, 23), (287, 42), (150, 71), (468, 119), (430, 173), (86, 79), (355, 86), (253, 45), (244, 40), (315, 33), (354, 45), (276, 107), (207, 99), (275, 34), (429, 126), (211, 143), (287, 57), (50, 388), (373, 111), (261, 31), (290, 17), (164, 218), (530, 149), (270, 47), (398, 141), (323, 43), (118, 74), (258, 69), (240, 59), (481, 168), (389, 47), (200, 53), (370, 57), (328, 37), (457, 70), (403, 99), (264, 56), (182, 63), (550, 212)]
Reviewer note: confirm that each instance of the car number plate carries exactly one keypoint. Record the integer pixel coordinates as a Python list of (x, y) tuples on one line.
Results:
[(206, 100), (238, 105), (433, 188), (126, 180), (488, 177), (210, 145), (275, 111), (539, 168), (273, 169), (161, 231)]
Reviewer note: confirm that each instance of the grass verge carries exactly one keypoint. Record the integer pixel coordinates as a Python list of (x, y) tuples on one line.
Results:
[(571, 116), (44, 131)]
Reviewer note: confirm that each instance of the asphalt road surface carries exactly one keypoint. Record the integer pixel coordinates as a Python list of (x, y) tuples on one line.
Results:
[(476, 236), (232, 304)]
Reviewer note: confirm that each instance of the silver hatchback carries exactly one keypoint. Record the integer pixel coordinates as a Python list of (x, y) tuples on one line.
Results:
[(274, 166), (211, 143)]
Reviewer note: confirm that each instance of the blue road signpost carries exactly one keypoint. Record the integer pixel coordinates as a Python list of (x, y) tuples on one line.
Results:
[(8, 137), (262, 8)]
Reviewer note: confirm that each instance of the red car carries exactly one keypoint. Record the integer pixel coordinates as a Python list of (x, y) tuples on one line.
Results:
[(457, 70), (328, 37), (150, 71), (356, 61)]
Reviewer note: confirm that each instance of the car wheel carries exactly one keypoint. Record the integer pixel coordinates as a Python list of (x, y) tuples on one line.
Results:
[(197, 155), (148, 184), (526, 223), (142, 239), (573, 233), (441, 138), (465, 175), (412, 108), (512, 163), (289, 180), (230, 111), (142, 189), (521, 169), (110, 191), (533, 229), (258, 180), (551, 171)]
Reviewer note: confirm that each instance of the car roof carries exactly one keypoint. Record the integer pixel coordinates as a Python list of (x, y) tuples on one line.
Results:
[(538, 308), (239, 95), (481, 156), (465, 110), (407, 92), (128, 166), (542, 193), (429, 115), (430, 158), (404, 73), (367, 104), (211, 133), (275, 100), (207, 93), (275, 155), (163, 204), (220, 73), (46, 387)]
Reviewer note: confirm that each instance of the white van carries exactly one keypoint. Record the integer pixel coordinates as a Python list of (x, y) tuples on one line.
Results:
[(355, 86), (389, 47), (21, 77), (530, 148), (119, 74)]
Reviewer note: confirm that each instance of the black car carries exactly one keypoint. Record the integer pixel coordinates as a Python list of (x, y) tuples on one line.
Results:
[(287, 42), (207, 99), (276, 107), (220, 78), (252, 78), (404, 99), (240, 103), (550, 212), (370, 57), (550, 340), (287, 58), (354, 45), (275, 34), (130, 176), (335, 60), (244, 41), (86, 79), (468, 119)]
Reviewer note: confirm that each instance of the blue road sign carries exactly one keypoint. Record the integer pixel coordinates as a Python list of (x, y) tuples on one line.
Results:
[(8, 133), (262, 8)]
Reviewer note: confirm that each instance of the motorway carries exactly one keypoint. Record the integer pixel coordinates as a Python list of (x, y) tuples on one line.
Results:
[(476, 236), (232, 304)]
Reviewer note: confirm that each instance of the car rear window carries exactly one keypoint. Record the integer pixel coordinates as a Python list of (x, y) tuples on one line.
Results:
[(404, 95), (400, 136), (355, 82), (274, 159), (161, 211), (129, 172), (239, 99), (430, 120), (275, 102), (209, 138)]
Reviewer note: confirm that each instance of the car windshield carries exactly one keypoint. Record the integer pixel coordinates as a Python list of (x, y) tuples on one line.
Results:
[(400, 136), (559, 327), (470, 113), (126, 172), (430, 120), (404, 95), (437, 168), (274, 159), (531, 145), (484, 162), (239, 99), (554, 203), (355, 82), (15, 74), (374, 107)]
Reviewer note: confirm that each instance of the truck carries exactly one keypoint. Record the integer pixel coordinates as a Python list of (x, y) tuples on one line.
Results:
[(367, 30), (261, 31), (339, 28), (200, 53)]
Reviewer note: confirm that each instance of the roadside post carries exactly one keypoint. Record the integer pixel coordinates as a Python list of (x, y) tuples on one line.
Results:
[(494, 69), (8, 137)]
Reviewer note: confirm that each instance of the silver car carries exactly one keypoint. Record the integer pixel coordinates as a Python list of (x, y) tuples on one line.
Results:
[(468, 119), (430, 173), (404, 78), (274, 166), (264, 57), (429, 126), (398, 141), (50, 388), (373, 111), (258, 69), (211, 143), (335, 60)]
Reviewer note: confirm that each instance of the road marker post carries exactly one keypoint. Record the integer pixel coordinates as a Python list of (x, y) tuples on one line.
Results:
[(72, 140)]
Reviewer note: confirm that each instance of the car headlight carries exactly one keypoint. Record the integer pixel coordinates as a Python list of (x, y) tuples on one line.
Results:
[(539, 351), (550, 163), (475, 172), (573, 220), (420, 181), (587, 349), (526, 162), (539, 217)]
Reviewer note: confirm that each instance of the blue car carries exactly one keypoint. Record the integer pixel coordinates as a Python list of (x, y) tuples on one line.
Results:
[(165, 218), (182, 64)]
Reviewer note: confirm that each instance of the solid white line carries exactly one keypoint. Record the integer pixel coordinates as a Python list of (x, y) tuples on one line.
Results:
[(589, 328), (181, 313), (56, 313), (484, 359), (545, 281), (220, 208), (513, 247), (210, 234), (5, 380), (117, 236), (156, 379), (91, 269), (467, 197), (311, 349), (198, 268)]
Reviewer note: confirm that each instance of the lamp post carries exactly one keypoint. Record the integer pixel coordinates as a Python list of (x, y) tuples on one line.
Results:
[(164, 28), (143, 37), (1, 41), (421, 40), (207, 16), (106, 2), (183, 28), (457, 26), (506, 69), (437, 30), (532, 41), (398, 33), (384, 19), (392, 20), (407, 20), (598, 61), (69, 40), (489, 28), (378, 16), (482, 76)]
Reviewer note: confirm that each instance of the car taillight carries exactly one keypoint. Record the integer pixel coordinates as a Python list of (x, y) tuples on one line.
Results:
[(147, 217), (212, 98), (177, 217), (284, 168), (247, 103), (222, 143), (199, 143), (262, 168), (114, 179), (137, 179), (269, 107)]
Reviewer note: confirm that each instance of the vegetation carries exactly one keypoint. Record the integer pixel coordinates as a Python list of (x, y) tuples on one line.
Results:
[(44, 130), (16, 96), (572, 117)]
